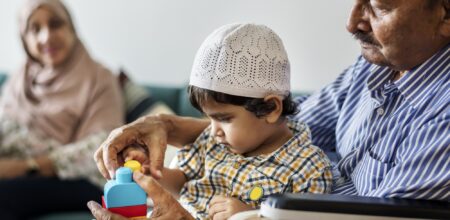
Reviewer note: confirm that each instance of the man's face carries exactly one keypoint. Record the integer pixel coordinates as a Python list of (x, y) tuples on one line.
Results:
[(398, 33)]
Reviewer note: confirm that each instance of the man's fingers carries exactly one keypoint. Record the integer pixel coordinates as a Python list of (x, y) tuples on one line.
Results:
[(117, 140), (148, 184), (157, 143), (102, 214), (162, 199), (110, 160), (98, 157)]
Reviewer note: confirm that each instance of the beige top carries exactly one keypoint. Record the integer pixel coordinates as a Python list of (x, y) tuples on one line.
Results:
[(65, 105), (67, 102)]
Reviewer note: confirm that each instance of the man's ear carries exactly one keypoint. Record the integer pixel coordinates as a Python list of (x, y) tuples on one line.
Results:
[(275, 114), (445, 26)]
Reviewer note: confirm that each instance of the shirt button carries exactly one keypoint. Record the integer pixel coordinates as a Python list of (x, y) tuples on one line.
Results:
[(236, 165), (380, 111)]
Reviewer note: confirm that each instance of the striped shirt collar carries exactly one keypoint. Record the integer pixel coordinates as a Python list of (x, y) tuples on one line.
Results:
[(412, 85)]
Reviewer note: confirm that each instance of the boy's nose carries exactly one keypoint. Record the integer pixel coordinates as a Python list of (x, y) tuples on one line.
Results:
[(216, 130), (219, 133)]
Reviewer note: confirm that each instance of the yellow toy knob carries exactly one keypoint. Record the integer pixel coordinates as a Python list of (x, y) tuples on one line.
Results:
[(133, 165)]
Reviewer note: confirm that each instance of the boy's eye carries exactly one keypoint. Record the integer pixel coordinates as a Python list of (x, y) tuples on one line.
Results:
[(223, 119)]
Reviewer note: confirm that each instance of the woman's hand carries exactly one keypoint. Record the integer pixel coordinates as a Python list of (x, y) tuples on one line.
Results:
[(12, 168), (164, 205), (221, 207)]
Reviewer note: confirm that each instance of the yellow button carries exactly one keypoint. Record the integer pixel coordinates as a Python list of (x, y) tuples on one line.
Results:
[(133, 165), (256, 193), (236, 165)]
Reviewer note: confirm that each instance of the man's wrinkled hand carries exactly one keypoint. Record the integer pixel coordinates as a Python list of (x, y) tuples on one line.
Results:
[(149, 132), (164, 205), (100, 213)]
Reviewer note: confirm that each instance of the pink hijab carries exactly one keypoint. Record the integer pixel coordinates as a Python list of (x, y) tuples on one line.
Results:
[(68, 102)]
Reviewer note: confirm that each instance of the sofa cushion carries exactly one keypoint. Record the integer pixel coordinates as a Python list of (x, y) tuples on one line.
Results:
[(139, 101), (186, 108), (165, 94)]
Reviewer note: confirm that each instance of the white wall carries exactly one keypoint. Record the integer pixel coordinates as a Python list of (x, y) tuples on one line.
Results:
[(156, 40)]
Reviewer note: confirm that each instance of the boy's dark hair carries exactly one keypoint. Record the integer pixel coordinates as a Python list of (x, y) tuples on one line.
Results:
[(199, 96)]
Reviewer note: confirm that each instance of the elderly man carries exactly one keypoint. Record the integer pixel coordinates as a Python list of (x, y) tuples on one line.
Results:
[(387, 116)]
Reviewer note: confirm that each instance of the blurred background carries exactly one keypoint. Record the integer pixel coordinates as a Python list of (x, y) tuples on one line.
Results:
[(155, 41)]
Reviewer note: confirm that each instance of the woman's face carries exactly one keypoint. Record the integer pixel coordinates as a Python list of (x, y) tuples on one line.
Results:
[(49, 38)]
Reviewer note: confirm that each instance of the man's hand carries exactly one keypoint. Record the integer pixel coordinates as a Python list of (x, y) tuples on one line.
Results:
[(221, 207), (164, 205), (100, 213), (12, 168), (150, 132)]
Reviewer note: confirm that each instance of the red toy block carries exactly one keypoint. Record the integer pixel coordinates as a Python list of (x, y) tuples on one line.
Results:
[(128, 211)]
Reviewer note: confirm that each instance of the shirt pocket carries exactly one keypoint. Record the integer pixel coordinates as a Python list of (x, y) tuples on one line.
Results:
[(369, 173)]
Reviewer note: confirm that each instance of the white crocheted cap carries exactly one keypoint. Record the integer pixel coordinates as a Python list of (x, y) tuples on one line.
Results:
[(244, 60)]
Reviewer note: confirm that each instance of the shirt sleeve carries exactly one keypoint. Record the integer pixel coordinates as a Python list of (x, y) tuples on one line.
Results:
[(321, 110), (314, 176), (191, 158), (422, 166)]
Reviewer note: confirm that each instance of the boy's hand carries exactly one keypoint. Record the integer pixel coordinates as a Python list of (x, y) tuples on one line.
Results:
[(138, 153), (221, 207), (135, 152)]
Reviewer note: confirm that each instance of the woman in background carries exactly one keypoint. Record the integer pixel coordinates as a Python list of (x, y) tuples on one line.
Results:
[(54, 113)]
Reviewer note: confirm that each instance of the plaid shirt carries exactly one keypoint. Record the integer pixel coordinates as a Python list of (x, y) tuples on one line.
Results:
[(211, 169)]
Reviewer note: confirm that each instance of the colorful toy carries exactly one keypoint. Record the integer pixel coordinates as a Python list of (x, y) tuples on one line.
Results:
[(124, 196)]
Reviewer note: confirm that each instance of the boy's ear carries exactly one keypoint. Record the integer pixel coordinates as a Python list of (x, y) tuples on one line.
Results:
[(277, 102)]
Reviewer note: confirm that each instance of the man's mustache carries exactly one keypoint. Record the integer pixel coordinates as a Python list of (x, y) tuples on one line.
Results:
[(365, 38)]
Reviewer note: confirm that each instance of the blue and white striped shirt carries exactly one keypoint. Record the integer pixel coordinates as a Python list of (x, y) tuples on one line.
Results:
[(392, 139)]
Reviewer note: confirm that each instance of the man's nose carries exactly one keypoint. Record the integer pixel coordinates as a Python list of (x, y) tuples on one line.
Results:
[(359, 18)]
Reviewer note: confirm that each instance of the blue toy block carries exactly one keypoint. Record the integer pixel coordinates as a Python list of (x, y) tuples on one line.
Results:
[(123, 191)]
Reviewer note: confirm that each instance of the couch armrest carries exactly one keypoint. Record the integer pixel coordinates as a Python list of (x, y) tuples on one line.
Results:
[(296, 205)]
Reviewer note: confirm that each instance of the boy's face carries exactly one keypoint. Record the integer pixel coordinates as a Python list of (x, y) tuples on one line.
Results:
[(240, 130)]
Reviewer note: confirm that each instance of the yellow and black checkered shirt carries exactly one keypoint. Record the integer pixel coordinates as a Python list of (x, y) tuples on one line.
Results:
[(211, 169)]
